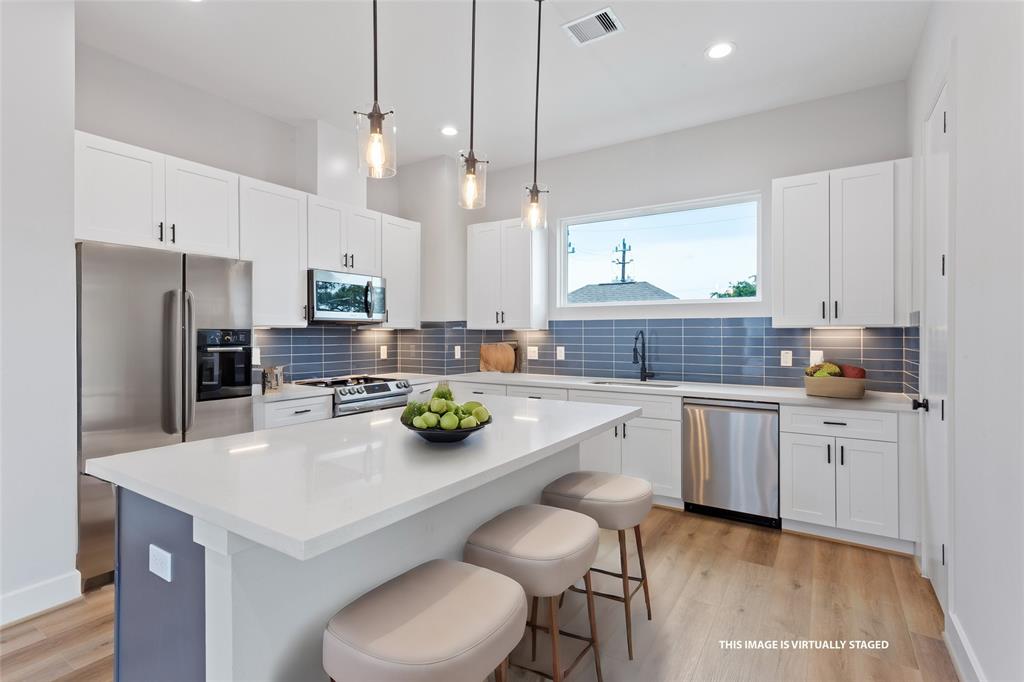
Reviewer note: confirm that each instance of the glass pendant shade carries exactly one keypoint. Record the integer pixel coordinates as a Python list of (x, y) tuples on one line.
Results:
[(472, 179), (535, 207), (376, 131)]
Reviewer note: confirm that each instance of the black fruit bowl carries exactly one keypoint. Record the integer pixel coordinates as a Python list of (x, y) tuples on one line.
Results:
[(439, 435)]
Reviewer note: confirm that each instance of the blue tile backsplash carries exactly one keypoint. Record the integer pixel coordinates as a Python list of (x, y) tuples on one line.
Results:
[(736, 350)]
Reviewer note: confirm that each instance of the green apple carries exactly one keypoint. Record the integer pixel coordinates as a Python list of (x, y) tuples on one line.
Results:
[(430, 419), (419, 422), (438, 405), (481, 414), (449, 421), (469, 423), (470, 406)]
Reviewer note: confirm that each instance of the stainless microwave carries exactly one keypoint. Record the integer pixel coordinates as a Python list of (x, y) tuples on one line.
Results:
[(345, 297)]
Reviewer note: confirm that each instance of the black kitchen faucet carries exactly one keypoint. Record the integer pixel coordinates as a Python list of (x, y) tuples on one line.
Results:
[(640, 355)]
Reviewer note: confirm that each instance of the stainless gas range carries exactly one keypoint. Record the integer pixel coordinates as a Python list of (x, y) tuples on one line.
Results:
[(354, 394)]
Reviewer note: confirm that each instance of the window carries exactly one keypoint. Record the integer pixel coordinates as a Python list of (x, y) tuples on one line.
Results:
[(697, 251)]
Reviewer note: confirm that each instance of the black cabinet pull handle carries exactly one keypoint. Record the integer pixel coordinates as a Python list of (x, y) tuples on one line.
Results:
[(495, 317), (161, 226), (837, 310), (828, 452), (503, 316), (478, 392), (616, 430), (623, 430), (352, 260), (533, 397), (174, 233), (824, 314), (842, 455), (835, 423), (303, 411), (346, 260)]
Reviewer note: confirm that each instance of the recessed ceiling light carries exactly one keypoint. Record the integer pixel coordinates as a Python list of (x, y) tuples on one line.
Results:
[(719, 50), (450, 131)]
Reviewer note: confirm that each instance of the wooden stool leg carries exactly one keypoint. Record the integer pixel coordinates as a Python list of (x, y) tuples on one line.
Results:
[(625, 592), (501, 672), (533, 628), (643, 569), (556, 664), (593, 626)]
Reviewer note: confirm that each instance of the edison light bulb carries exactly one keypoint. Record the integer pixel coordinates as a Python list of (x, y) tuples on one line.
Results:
[(469, 189), (375, 155), (533, 215)]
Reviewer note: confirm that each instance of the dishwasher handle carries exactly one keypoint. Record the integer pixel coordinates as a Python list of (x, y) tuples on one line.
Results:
[(763, 407)]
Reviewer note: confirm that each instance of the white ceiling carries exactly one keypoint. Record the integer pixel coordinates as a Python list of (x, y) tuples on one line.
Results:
[(307, 60)]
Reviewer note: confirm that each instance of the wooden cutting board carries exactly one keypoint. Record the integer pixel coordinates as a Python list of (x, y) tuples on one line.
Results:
[(497, 357)]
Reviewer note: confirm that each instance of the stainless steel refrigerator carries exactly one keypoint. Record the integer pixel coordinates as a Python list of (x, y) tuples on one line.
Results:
[(163, 357)]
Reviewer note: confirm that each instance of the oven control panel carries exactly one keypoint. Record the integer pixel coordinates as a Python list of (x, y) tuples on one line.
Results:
[(224, 337)]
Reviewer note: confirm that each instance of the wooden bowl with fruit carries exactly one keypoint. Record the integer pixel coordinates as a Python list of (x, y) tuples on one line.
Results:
[(442, 420), (833, 380)]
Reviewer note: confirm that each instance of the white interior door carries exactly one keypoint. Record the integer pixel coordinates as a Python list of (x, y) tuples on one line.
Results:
[(935, 374), (202, 209), (364, 228), (483, 276), (867, 487), (603, 452), (807, 478), (516, 275), (400, 266), (119, 193), (800, 235), (653, 449), (326, 244), (862, 245)]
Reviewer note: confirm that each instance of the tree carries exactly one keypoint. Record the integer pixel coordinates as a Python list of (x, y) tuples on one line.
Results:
[(740, 289)]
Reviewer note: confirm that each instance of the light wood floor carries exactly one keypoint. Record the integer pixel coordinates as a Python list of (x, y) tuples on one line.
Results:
[(711, 580)]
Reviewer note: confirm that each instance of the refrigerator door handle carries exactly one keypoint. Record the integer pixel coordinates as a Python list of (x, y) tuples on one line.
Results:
[(176, 418), (190, 362)]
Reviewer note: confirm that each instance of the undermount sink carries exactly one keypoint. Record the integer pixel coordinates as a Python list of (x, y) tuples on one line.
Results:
[(636, 382)]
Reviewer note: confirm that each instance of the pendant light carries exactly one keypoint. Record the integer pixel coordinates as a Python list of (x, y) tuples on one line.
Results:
[(535, 202), (376, 137), (473, 166)]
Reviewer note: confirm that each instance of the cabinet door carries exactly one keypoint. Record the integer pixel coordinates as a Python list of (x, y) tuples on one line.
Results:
[(516, 275), (602, 452), (202, 209), (867, 487), (653, 449), (364, 239), (326, 246), (273, 237), (807, 478), (400, 267), (119, 192), (800, 263), (483, 276), (862, 245)]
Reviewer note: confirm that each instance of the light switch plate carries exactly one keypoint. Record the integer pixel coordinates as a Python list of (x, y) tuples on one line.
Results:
[(383, 352), (160, 561), (786, 358), (817, 357), (560, 352), (531, 353), (458, 352)]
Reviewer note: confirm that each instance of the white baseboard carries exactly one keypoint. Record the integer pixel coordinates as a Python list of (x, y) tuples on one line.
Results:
[(40, 597), (964, 660)]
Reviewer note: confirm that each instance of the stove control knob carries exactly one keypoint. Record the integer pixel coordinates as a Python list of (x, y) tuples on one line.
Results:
[(344, 391), (361, 389)]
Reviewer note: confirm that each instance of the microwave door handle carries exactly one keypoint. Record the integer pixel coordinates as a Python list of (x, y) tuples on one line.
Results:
[(368, 299), (190, 364)]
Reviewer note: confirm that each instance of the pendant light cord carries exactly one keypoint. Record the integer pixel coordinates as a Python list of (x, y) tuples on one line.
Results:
[(472, 76), (536, 98), (375, 98)]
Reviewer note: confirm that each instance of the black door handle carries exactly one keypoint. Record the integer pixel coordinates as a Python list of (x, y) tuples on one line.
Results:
[(824, 314), (828, 452), (495, 317), (174, 233), (837, 310), (161, 226), (616, 430), (503, 317), (623, 430), (842, 455)]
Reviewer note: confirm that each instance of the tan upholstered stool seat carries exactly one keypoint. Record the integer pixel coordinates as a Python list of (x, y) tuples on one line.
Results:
[(443, 620), (542, 548), (613, 500)]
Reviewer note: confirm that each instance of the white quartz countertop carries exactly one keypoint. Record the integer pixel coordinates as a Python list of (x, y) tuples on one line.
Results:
[(873, 400), (309, 488), (294, 392)]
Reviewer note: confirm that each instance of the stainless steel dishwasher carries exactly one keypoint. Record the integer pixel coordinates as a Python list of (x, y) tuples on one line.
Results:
[(731, 459)]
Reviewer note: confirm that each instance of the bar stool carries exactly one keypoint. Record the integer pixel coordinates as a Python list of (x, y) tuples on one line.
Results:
[(545, 550), (443, 620), (617, 503)]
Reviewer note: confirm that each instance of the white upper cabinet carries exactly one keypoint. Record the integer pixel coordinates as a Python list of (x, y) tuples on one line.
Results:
[(400, 267), (840, 247), (343, 238), (119, 193), (202, 209), (506, 276), (273, 237), (364, 241)]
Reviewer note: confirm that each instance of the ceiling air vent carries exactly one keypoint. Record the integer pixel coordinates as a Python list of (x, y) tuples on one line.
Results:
[(593, 26)]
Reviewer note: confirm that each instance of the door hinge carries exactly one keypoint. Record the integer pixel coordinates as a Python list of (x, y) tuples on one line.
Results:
[(943, 265), (943, 121), (943, 554)]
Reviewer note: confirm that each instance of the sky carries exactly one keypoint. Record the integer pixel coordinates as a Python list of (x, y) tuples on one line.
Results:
[(687, 253)]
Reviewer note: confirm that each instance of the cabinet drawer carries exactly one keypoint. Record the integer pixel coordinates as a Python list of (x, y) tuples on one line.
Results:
[(653, 406), (287, 412), (422, 392), (537, 393), (465, 390), (842, 423)]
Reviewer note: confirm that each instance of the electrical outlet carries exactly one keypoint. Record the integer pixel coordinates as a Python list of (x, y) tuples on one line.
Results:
[(560, 352), (531, 353), (383, 352), (160, 561), (458, 352), (786, 358), (817, 357)]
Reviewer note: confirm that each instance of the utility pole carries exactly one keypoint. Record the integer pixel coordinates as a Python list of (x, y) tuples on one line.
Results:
[(621, 260)]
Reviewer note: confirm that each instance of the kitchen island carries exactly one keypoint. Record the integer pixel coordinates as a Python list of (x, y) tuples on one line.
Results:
[(269, 533)]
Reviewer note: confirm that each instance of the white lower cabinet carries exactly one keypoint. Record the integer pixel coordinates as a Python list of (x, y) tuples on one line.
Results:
[(271, 415), (465, 390), (650, 449), (807, 478), (537, 393), (602, 452)]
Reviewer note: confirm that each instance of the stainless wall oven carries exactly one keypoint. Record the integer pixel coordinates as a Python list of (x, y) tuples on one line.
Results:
[(345, 297)]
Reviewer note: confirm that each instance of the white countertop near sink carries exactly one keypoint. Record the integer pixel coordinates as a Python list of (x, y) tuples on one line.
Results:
[(309, 488), (294, 392), (873, 400)]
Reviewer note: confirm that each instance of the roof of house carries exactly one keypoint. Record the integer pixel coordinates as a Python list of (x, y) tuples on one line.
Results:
[(608, 292)]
